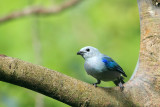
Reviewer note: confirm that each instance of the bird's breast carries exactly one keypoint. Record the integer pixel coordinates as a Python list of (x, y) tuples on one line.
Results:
[(93, 66)]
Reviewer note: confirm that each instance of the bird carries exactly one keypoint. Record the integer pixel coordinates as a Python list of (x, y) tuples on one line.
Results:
[(102, 67)]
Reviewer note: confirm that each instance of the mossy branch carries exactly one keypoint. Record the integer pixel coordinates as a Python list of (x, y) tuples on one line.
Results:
[(54, 84)]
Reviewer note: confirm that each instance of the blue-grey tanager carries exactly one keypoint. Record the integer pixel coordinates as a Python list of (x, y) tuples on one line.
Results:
[(102, 67)]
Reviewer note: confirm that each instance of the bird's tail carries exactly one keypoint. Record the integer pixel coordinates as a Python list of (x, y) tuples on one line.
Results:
[(119, 82)]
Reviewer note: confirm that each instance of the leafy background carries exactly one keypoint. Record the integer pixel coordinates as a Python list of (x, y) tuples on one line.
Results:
[(112, 26)]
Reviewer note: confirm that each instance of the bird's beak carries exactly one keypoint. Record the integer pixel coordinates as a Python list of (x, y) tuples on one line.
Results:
[(80, 53)]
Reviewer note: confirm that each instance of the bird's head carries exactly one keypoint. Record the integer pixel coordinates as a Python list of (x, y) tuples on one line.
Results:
[(88, 52)]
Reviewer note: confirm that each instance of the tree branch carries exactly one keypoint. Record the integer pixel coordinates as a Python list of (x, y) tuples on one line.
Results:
[(39, 11), (58, 86)]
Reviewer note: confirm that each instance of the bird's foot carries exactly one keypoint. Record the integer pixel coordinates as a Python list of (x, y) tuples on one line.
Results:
[(121, 87), (95, 84), (98, 82)]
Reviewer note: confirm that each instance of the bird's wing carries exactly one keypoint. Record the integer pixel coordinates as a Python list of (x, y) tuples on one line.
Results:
[(112, 65)]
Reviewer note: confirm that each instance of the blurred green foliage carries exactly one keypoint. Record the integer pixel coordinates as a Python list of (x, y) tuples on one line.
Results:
[(112, 26)]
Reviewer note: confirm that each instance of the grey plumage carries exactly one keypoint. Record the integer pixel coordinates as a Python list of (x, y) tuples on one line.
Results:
[(101, 66)]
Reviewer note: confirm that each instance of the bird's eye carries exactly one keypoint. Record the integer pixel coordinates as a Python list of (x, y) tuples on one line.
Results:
[(87, 50)]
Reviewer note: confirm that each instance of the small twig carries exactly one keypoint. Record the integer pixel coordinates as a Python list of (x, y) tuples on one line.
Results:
[(39, 11)]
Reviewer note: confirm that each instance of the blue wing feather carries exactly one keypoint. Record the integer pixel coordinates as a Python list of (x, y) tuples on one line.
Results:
[(112, 65)]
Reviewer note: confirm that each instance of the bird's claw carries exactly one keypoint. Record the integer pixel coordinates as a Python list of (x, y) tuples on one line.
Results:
[(121, 87), (95, 85)]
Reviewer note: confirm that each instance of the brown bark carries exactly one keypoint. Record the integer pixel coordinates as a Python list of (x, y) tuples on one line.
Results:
[(142, 90)]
